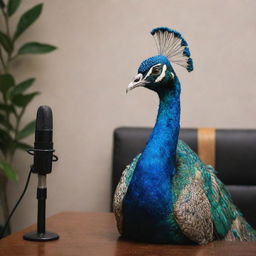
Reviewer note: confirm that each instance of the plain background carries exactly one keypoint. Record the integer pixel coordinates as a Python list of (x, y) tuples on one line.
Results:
[(100, 46)]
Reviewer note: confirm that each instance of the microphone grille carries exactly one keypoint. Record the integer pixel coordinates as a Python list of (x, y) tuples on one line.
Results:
[(44, 118)]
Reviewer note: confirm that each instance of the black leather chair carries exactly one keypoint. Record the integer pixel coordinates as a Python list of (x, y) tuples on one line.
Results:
[(235, 160)]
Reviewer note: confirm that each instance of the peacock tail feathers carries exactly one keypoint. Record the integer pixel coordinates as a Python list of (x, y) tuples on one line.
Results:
[(240, 230), (171, 44)]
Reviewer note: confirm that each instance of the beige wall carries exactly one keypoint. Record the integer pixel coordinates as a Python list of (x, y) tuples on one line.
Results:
[(101, 44)]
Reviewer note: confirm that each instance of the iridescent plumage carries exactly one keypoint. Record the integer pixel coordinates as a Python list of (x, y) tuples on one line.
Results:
[(167, 195)]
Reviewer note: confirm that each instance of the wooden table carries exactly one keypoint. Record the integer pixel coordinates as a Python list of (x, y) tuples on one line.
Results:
[(95, 234)]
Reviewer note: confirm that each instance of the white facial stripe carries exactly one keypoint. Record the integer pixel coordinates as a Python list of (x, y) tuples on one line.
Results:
[(150, 71), (160, 78)]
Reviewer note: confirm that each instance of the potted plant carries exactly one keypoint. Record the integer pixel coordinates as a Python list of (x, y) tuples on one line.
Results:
[(14, 98)]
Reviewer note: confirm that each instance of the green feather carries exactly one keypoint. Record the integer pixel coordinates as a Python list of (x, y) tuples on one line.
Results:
[(223, 211)]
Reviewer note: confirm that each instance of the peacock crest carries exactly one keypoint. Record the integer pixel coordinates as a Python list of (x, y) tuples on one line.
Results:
[(172, 45)]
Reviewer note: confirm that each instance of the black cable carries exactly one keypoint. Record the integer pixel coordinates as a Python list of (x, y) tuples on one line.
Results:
[(16, 205)]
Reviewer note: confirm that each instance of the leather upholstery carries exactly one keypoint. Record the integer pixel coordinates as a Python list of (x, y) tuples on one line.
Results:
[(235, 160)]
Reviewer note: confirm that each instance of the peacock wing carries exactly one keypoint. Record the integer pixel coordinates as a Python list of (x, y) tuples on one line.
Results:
[(193, 213), (192, 210), (121, 190), (202, 203)]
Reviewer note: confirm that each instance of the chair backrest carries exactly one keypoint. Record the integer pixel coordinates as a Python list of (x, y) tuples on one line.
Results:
[(235, 158)]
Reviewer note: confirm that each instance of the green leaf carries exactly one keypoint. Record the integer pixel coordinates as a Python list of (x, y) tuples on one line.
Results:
[(5, 141), (6, 82), (23, 100), (27, 130), (2, 117), (23, 146), (20, 88), (5, 123), (27, 19), (8, 171), (36, 48), (4, 135), (2, 4), (6, 42), (12, 6), (7, 108)]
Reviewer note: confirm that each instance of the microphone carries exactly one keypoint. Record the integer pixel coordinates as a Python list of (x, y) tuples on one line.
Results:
[(43, 146), (43, 158)]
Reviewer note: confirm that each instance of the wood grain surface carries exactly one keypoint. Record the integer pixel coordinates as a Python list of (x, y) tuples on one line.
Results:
[(95, 234)]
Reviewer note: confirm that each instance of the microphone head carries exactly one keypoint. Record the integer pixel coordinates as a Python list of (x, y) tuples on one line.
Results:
[(43, 146), (44, 118)]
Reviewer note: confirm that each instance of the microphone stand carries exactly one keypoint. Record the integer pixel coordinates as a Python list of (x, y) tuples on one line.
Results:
[(41, 234), (43, 158), (41, 198)]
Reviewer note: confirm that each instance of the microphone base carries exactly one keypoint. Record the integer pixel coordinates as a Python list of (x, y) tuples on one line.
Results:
[(41, 237)]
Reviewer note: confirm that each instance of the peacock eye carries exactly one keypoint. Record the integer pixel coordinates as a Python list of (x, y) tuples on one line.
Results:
[(156, 70)]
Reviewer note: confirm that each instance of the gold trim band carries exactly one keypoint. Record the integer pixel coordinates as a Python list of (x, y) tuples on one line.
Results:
[(206, 145)]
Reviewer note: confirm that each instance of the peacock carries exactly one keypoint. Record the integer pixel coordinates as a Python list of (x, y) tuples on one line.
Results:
[(167, 194)]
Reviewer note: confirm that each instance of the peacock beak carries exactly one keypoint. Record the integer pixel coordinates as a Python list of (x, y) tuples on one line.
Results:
[(137, 82)]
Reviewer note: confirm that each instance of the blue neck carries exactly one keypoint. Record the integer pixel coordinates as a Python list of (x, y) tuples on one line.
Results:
[(148, 202), (159, 153)]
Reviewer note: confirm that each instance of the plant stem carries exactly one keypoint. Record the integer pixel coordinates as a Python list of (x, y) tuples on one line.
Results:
[(18, 122), (2, 61), (6, 64), (6, 20), (14, 57), (16, 130), (3, 198)]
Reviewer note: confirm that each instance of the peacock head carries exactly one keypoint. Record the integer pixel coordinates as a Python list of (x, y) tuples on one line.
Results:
[(156, 73)]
